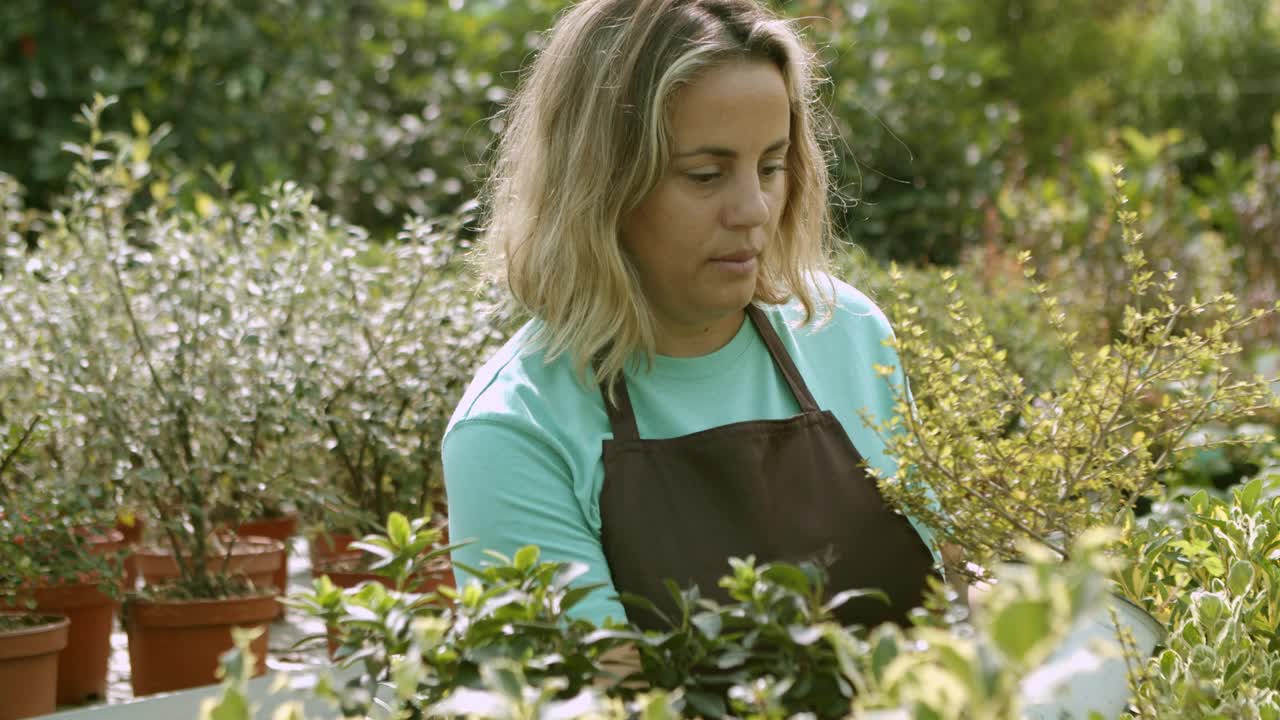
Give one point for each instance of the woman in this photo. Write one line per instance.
(689, 387)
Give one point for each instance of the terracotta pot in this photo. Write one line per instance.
(82, 667)
(175, 644)
(132, 533)
(255, 558)
(345, 577)
(132, 537)
(278, 528)
(29, 669)
(325, 548)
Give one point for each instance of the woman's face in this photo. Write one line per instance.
(696, 236)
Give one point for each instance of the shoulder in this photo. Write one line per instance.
(517, 388)
(503, 387)
(845, 315)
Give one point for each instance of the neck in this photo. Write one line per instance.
(685, 340)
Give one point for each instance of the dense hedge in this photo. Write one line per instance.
(387, 106)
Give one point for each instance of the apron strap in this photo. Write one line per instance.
(622, 418)
(782, 359)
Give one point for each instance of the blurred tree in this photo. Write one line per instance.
(388, 107)
(382, 104)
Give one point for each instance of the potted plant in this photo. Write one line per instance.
(174, 329)
(401, 336)
(990, 463)
(265, 511)
(404, 559)
(29, 648)
(58, 555)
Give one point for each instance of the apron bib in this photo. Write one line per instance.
(785, 490)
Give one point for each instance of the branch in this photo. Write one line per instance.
(13, 453)
(137, 333)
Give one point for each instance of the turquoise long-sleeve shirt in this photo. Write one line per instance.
(522, 452)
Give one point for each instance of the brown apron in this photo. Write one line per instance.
(782, 490)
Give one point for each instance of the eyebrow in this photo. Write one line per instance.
(727, 152)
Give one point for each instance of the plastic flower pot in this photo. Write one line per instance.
(1076, 680)
(29, 666)
(175, 644)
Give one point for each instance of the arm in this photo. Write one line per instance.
(507, 488)
(950, 555)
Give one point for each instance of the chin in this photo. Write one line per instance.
(737, 301)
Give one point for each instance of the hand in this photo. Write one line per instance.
(953, 562)
(620, 662)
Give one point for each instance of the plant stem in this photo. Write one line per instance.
(13, 452)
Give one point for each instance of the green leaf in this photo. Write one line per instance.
(885, 650)
(386, 554)
(706, 703)
(788, 576)
(845, 596)
(1248, 496)
(141, 125)
(805, 635)
(233, 705)
(1019, 627)
(526, 557)
(732, 657)
(1240, 577)
(709, 623)
(640, 601)
(398, 529)
(576, 595)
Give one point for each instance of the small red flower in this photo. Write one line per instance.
(27, 45)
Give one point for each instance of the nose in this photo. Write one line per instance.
(746, 205)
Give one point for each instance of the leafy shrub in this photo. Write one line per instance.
(1241, 196)
(382, 106)
(918, 134)
(1205, 67)
(1216, 460)
(1211, 574)
(241, 354)
(388, 107)
(766, 656)
(992, 287)
(1216, 236)
(1002, 463)
(399, 333)
(47, 523)
(169, 332)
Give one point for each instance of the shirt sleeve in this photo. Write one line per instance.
(899, 381)
(507, 488)
(872, 340)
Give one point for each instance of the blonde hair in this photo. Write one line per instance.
(587, 137)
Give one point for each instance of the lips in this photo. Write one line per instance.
(742, 256)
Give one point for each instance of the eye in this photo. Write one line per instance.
(703, 178)
(772, 170)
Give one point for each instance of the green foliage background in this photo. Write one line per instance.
(387, 106)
